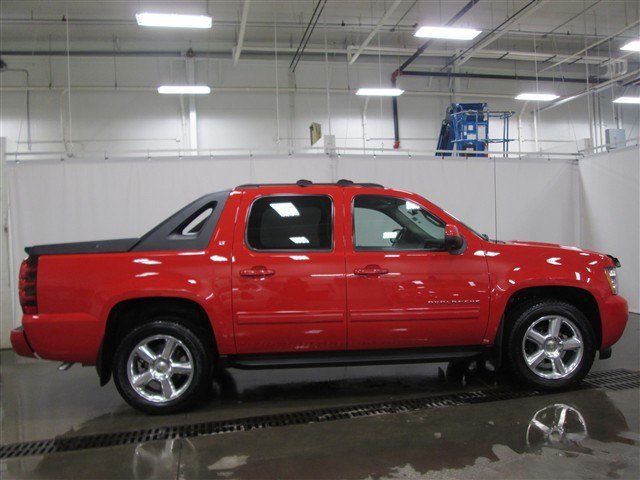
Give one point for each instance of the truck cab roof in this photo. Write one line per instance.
(308, 183)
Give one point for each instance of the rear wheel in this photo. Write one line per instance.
(162, 367)
(551, 345)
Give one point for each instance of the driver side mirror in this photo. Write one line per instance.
(452, 239)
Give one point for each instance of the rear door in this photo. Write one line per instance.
(404, 290)
(288, 275)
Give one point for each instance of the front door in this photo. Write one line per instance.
(404, 290)
(288, 275)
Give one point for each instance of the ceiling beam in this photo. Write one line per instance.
(258, 24)
(583, 12)
(243, 25)
(267, 49)
(373, 32)
(491, 76)
(593, 45)
(593, 89)
(497, 32)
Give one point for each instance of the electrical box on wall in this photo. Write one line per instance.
(330, 144)
(315, 132)
(615, 138)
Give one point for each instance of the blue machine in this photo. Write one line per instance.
(466, 127)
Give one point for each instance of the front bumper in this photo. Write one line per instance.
(614, 314)
(20, 344)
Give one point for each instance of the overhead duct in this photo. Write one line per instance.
(492, 76)
(400, 69)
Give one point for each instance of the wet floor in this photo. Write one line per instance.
(581, 433)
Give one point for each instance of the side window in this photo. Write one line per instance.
(197, 221)
(390, 223)
(290, 223)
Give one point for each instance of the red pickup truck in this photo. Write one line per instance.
(304, 274)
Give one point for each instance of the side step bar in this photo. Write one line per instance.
(341, 358)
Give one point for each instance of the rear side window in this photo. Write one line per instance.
(190, 228)
(293, 222)
(196, 221)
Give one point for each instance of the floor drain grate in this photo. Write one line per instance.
(614, 380)
(610, 380)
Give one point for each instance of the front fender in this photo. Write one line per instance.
(514, 268)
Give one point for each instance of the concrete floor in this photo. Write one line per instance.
(490, 440)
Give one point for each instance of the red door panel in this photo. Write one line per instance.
(411, 299)
(289, 301)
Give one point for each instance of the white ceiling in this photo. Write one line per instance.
(559, 27)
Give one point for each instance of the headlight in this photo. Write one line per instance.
(613, 279)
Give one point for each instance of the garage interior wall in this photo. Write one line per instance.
(610, 213)
(535, 199)
(113, 107)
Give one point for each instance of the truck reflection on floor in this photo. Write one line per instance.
(429, 440)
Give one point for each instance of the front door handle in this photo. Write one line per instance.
(371, 270)
(257, 271)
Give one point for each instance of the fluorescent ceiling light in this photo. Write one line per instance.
(540, 97)
(634, 46)
(448, 33)
(380, 92)
(299, 240)
(186, 89)
(285, 209)
(627, 100)
(173, 20)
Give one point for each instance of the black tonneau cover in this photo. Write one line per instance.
(99, 246)
(165, 236)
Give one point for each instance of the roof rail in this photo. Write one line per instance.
(308, 183)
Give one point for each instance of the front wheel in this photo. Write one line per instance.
(161, 367)
(551, 345)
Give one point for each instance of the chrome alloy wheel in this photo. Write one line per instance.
(556, 425)
(160, 368)
(552, 347)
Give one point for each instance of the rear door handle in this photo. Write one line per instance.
(371, 270)
(258, 271)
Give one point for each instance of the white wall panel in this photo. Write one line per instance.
(79, 200)
(610, 205)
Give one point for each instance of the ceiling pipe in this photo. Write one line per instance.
(594, 89)
(269, 49)
(310, 90)
(313, 21)
(589, 47)
(394, 76)
(496, 33)
(208, 153)
(243, 26)
(491, 76)
(584, 11)
(373, 32)
(217, 24)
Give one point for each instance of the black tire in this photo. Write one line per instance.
(200, 360)
(526, 317)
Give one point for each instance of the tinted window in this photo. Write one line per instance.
(389, 223)
(196, 221)
(290, 223)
